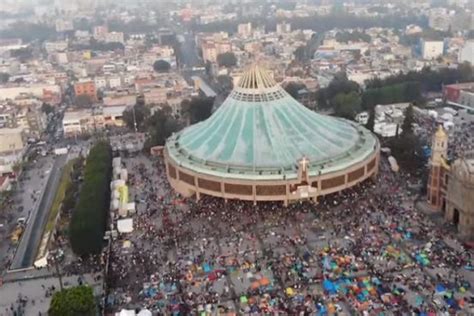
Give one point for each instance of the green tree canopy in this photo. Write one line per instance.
(161, 66)
(407, 150)
(88, 221)
(74, 301)
(355, 36)
(293, 87)
(340, 84)
(29, 31)
(47, 108)
(396, 93)
(301, 53)
(83, 101)
(371, 121)
(226, 82)
(140, 116)
(4, 77)
(227, 60)
(347, 105)
(161, 125)
(22, 54)
(408, 121)
(199, 109)
(428, 79)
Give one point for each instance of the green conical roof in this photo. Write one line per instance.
(260, 128)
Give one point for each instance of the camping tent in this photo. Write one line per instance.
(144, 312)
(125, 225)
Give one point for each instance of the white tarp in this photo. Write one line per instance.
(116, 162)
(448, 125)
(447, 117)
(116, 183)
(115, 194)
(124, 174)
(386, 129)
(144, 312)
(122, 211)
(117, 171)
(114, 205)
(126, 312)
(393, 164)
(42, 262)
(125, 225)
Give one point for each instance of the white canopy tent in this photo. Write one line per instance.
(125, 225)
(126, 312)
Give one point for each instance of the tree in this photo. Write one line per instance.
(161, 66)
(161, 125)
(87, 226)
(83, 101)
(427, 79)
(47, 108)
(293, 87)
(74, 301)
(407, 150)
(4, 77)
(141, 114)
(407, 147)
(355, 36)
(225, 82)
(371, 121)
(199, 109)
(409, 91)
(226, 60)
(407, 125)
(347, 105)
(208, 67)
(340, 84)
(301, 54)
(22, 54)
(29, 31)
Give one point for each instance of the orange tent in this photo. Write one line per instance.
(264, 281)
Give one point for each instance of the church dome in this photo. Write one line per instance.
(261, 131)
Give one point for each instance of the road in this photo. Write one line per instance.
(189, 53)
(29, 243)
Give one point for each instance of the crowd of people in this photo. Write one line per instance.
(365, 251)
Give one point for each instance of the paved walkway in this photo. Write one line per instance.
(33, 294)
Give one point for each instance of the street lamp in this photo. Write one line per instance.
(55, 259)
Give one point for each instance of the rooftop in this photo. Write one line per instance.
(261, 131)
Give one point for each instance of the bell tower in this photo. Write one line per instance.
(438, 168)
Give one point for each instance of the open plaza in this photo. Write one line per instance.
(363, 251)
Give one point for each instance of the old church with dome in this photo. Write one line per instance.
(451, 186)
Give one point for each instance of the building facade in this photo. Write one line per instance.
(431, 49)
(86, 88)
(451, 187)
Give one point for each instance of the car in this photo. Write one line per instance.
(21, 220)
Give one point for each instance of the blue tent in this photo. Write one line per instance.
(329, 287)
(440, 288)
(207, 268)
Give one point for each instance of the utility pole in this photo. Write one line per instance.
(58, 273)
(56, 263)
